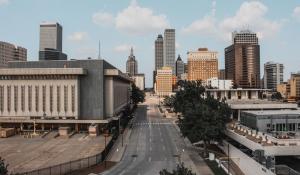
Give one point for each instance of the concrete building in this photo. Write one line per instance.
(139, 80)
(295, 86)
(131, 64)
(242, 60)
(221, 74)
(179, 67)
(51, 41)
(76, 92)
(202, 64)
(284, 89)
(273, 75)
(169, 49)
(271, 138)
(10, 52)
(164, 81)
(159, 52)
(186, 68)
(219, 84)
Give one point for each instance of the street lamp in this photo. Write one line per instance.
(106, 134)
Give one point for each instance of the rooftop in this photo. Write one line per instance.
(43, 71)
(274, 112)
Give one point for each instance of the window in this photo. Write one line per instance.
(23, 98)
(51, 98)
(36, 98)
(66, 98)
(30, 98)
(1, 98)
(8, 98)
(16, 98)
(73, 98)
(58, 98)
(44, 98)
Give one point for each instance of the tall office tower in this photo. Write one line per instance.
(273, 75)
(51, 42)
(164, 81)
(169, 49)
(221, 74)
(202, 64)
(179, 67)
(131, 64)
(10, 52)
(242, 60)
(159, 52)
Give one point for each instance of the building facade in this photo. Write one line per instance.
(159, 52)
(10, 52)
(202, 64)
(219, 84)
(139, 80)
(71, 92)
(179, 67)
(242, 60)
(131, 64)
(273, 75)
(169, 49)
(284, 89)
(221, 74)
(164, 81)
(51, 36)
(295, 86)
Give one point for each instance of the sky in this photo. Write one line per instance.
(121, 24)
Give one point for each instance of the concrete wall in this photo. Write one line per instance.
(91, 85)
(248, 165)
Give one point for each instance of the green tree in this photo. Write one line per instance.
(180, 170)
(169, 101)
(203, 118)
(3, 167)
(137, 96)
(277, 96)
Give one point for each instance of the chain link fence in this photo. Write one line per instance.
(69, 167)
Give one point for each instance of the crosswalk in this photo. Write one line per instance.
(153, 123)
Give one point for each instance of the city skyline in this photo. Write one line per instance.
(107, 21)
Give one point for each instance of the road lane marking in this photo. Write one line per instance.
(150, 148)
(149, 159)
(164, 148)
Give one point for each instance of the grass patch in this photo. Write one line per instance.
(213, 165)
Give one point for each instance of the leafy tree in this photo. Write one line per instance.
(137, 96)
(277, 96)
(204, 118)
(169, 101)
(3, 167)
(180, 170)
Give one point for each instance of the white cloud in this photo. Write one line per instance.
(250, 15)
(139, 20)
(78, 36)
(4, 2)
(296, 12)
(123, 48)
(103, 19)
(202, 26)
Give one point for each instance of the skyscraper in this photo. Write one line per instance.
(159, 52)
(179, 66)
(131, 64)
(51, 42)
(242, 60)
(202, 64)
(273, 75)
(169, 49)
(10, 52)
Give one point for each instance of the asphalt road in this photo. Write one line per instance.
(154, 144)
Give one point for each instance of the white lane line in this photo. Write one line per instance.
(150, 148)
(161, 139)
(164, 148)
(149, 159)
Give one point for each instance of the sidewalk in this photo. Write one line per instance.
(192, 159)
(117, 151)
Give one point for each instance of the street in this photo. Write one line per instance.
(154, 144)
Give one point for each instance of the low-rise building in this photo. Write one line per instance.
(284, 89)
(76, 92)
(139, 80)
(219, 84)
(11, 52)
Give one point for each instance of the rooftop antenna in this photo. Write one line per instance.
(99, 54)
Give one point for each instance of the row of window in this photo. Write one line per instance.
(36, 91)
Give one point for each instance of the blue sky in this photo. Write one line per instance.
(125, 23)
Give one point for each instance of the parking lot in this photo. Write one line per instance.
(27, 154)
